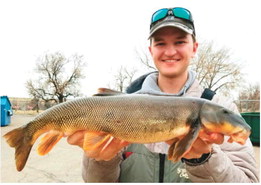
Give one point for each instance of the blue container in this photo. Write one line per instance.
(6, 111)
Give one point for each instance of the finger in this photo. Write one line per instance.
(216, 138)
(96, 152)
(91, 153)
(112, 149)
(76, 138)
(108, 150)
(198, 148)
(201, 146)
(192, 154)
(212, 137)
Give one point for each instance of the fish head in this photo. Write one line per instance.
(216, 118)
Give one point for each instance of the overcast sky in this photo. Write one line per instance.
(106, 33)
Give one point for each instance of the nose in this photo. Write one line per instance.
(170, 51)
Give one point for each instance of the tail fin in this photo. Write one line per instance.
(16, 138)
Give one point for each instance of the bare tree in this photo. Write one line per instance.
(249, 99)
(145, 59)
(55, 83)
(215, 69)
(123, 78)
(34, 103)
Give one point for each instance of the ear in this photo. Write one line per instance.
(150, 50)
(195, 48)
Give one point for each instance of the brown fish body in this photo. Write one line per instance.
(133, 118)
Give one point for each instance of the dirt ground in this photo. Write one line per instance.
(62, 164)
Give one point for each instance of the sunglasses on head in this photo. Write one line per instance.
(177, 12)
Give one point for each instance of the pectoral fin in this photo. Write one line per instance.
(96, 140)
(179, 148)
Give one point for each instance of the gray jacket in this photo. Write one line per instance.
(228, 162)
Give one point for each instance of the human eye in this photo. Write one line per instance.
(180, 42)
(159, 44)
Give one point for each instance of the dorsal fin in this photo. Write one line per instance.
(107, 92)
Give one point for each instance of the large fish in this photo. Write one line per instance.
(132, 118)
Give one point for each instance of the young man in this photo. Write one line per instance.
(173, 44)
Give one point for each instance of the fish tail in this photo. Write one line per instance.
(16, 139)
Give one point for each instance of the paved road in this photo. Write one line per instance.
(62, 164)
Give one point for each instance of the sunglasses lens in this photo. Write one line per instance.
(182, 13)
(160, 14)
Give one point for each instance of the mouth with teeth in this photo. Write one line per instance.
(171, 61)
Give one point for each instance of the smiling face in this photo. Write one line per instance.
(171, 50)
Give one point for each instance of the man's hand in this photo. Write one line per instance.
(105, 151)
(203, 144)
